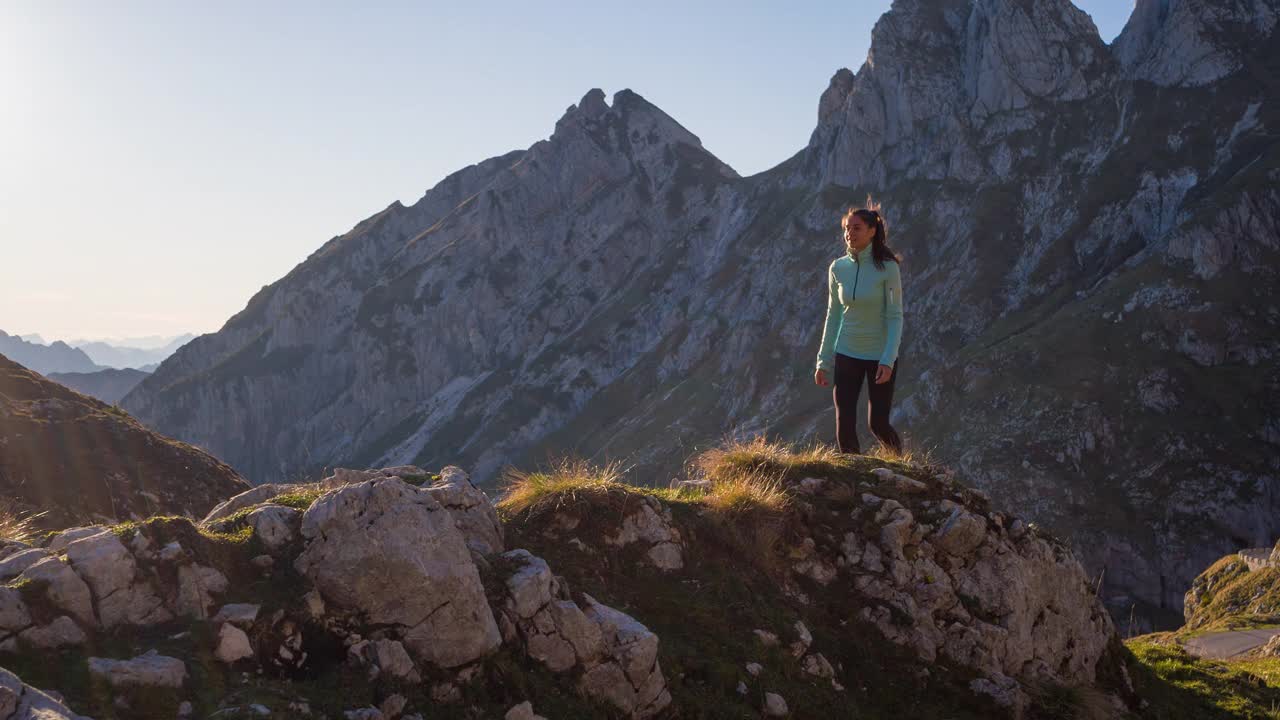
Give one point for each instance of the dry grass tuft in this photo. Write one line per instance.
(747, 491)
(567, 481)
(784, 460)
(16, 524)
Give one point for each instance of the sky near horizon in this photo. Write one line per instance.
(162, 161)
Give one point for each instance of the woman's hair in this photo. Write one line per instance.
(880, 250)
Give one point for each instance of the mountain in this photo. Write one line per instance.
(121, 355)
(108, 385)
(58, 357)
(1089, 256)
(34, 338)
(81, 460)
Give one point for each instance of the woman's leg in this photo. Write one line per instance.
(847, 382)
(879, 400)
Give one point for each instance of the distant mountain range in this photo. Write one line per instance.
(45, 359)
(108, 385)
(83, 356)
(116, 355)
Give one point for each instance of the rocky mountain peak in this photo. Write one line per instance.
(630, 128)
(947, 66)
(1192, 43)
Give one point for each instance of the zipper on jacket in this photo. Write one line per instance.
(856, 273)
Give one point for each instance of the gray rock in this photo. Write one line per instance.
(274, 525)
(523, 711)
(474, 514)
(775, 705)
(19, 701)
(13, 565)
(392, 552)
(150, 669)
(241, 614)
(63, 588)
(61, 632)
(110, 572)
(233, 644)
(256, 496)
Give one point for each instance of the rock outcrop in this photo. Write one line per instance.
(389, 572)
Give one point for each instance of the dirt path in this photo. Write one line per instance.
(1222, 645)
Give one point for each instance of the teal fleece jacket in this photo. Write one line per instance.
(864, 310)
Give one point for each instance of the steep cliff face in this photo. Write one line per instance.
(1189, 43)
(1089, 267)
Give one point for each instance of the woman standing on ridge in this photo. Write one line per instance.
(863, 328)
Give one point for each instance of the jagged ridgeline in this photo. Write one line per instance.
(1089, 233)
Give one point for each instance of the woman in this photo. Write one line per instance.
(863, 329)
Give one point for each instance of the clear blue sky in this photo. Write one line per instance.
(160, 161)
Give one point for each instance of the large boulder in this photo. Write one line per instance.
(393, 553)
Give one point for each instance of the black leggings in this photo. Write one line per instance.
(849, 374)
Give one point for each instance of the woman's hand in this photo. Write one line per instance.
(883, 373)
(820, 377)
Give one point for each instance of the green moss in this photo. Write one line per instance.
(297, 501)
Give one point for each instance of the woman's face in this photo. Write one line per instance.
(857, 234)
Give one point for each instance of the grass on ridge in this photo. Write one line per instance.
(17, 525)
(566, 481)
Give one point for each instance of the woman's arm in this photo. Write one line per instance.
(831, 328)
(892, 313)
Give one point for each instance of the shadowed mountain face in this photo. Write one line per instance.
(83, 461)
(1089, 246)
(109, 385)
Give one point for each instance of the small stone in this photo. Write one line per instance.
(150, 669)
(818, 666)
(314, 604)
(263, 562)
(258, 709)
(811, 485)
(766, 638)
(185, 709)
(393, 706)
(171, 552)
(523, 711)
(742, 688)
(233, 644)
(241, 614)
(754, 668)
(775, 706)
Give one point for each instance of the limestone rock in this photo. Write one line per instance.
(523, 711)
(150, 669)
(61, 632)
(274, 525)
(233, 644)
(474, 514)
(20, 701)
(63, 588)
(392, 552)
